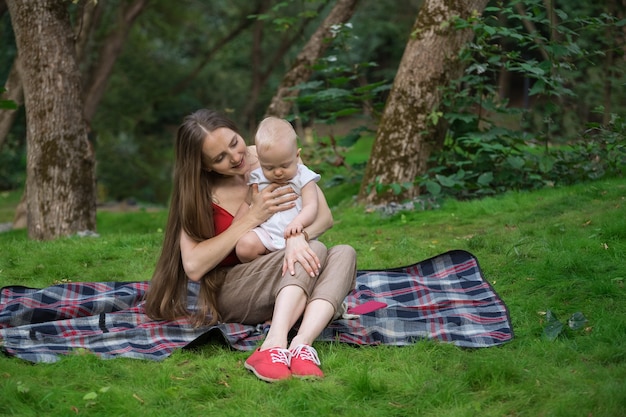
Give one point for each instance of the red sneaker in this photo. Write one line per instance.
(305, 363)
(270, 365)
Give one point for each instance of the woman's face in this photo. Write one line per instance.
(225, 152)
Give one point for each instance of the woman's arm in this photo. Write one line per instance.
(324, 219)
(200, 257)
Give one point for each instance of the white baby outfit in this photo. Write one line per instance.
(272, 232)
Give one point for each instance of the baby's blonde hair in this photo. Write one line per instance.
(273, 131)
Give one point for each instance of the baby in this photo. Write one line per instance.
(278, 152)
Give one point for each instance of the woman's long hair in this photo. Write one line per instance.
(190, 210)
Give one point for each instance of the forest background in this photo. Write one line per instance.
(540, 100)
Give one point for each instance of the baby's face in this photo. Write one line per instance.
(279, 164)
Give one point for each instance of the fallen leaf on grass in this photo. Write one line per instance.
(90, 396)
(577, 321)
(22, 388)
(138, 398)
(553, 326)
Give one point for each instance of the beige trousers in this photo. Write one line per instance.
(249, 290)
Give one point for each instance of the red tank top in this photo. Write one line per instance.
(222, 221)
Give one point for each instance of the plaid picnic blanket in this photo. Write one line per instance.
(443, 298)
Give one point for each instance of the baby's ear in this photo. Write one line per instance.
(298, 153)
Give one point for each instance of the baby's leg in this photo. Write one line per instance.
(249, 247)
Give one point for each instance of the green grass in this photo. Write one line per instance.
(8, 201)
(561, 249)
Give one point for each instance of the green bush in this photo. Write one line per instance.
(491, 146)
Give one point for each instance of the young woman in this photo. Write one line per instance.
(304, 281)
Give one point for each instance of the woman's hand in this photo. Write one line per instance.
(273, 199)
(297, 249)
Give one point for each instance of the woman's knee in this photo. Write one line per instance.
(345, 252)
(342, 260)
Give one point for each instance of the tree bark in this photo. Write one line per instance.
(60, 183)
(406, 134)
(301, 70)
(15, 92)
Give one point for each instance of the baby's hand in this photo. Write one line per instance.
(293, 229)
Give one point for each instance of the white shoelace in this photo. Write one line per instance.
(280, 356)
(307, 353)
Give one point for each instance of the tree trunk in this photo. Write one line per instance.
(207, 55)
(112, 47)
(256, 60)
(88, 15)
(14, 93)
(60, 183)
(312, 51)
(407, 134)
(532, 29)
(263, 68)
(614, 36)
